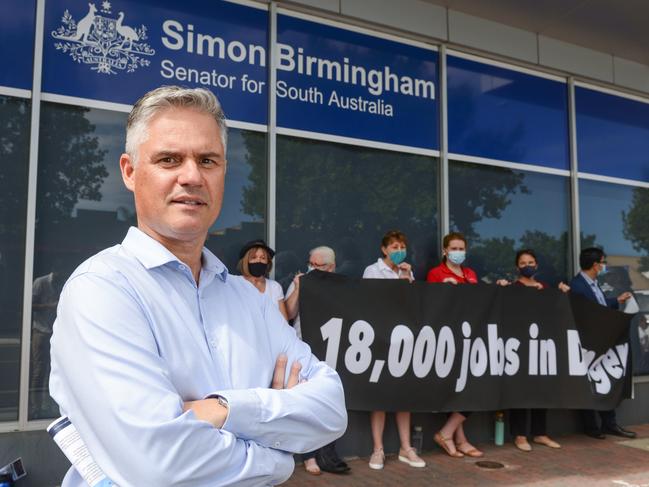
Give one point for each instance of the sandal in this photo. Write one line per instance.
(442, 442)
(522, 444)
(546, 441)
(471, 451)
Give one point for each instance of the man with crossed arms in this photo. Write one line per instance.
(172, 370)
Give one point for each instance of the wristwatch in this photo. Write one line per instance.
(223, 402)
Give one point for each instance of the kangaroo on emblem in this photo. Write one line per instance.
(84, 25)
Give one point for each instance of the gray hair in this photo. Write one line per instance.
(166, 97)
(327, 254)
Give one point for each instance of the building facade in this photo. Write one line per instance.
(347, 118)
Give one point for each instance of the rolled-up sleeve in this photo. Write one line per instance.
(109, 379)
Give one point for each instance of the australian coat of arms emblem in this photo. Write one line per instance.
(102, 41)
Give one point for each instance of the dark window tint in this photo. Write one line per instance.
(243, 214)
(14, 150)
(501, 210)
(614, 217)
(82, 207)
(347, 198)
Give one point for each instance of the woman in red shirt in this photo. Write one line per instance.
(527, 267)
(451, 437)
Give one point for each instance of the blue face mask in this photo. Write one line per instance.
(602, 271)
(457, 256)
(398, 256)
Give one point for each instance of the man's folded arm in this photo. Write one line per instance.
(297, 420)
(109, 379)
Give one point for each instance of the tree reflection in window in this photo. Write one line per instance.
(347, 197)
(617, 215)
(14, 151)
(82, 207)
(501, 210)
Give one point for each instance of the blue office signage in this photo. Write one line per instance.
(116, 50)
(17, 29)
(337, 81)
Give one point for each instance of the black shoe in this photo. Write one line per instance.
(597, 434)
(617, 430)
(328, 461)
(335, 467)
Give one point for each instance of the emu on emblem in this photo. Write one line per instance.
(102, 41)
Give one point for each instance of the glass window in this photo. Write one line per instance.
(501, 211)
(614, 217)
(612, 135)
(83, 207)
(14, 150)
(507, 115)
(348, 197)
(243, 215)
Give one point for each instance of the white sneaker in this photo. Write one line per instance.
(377, 460)
(411, 458)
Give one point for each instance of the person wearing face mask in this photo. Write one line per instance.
(322, 259)
(592, 262)
(451, 437)
(527, 267)
(451, 270)
(255, 263)
(392, 265)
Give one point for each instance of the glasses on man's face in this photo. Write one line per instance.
(317, 266)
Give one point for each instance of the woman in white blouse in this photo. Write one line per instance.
(392, 265)
(255, 263)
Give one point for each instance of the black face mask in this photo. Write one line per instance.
(257, 269)
(528, 270)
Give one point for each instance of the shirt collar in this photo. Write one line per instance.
(213, 264)
(383, 265)
(588, 279)
(152, 253)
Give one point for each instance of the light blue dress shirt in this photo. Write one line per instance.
(135, 337)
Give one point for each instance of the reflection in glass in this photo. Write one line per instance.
(347, 198)
(501, 210)
(82, 207)
(14, 152)
(243, 214)
(614, 217)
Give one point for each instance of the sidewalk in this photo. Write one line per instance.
(581, 461)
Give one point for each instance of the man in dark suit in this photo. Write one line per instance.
(593, 263)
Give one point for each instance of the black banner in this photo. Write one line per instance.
(437, 347)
